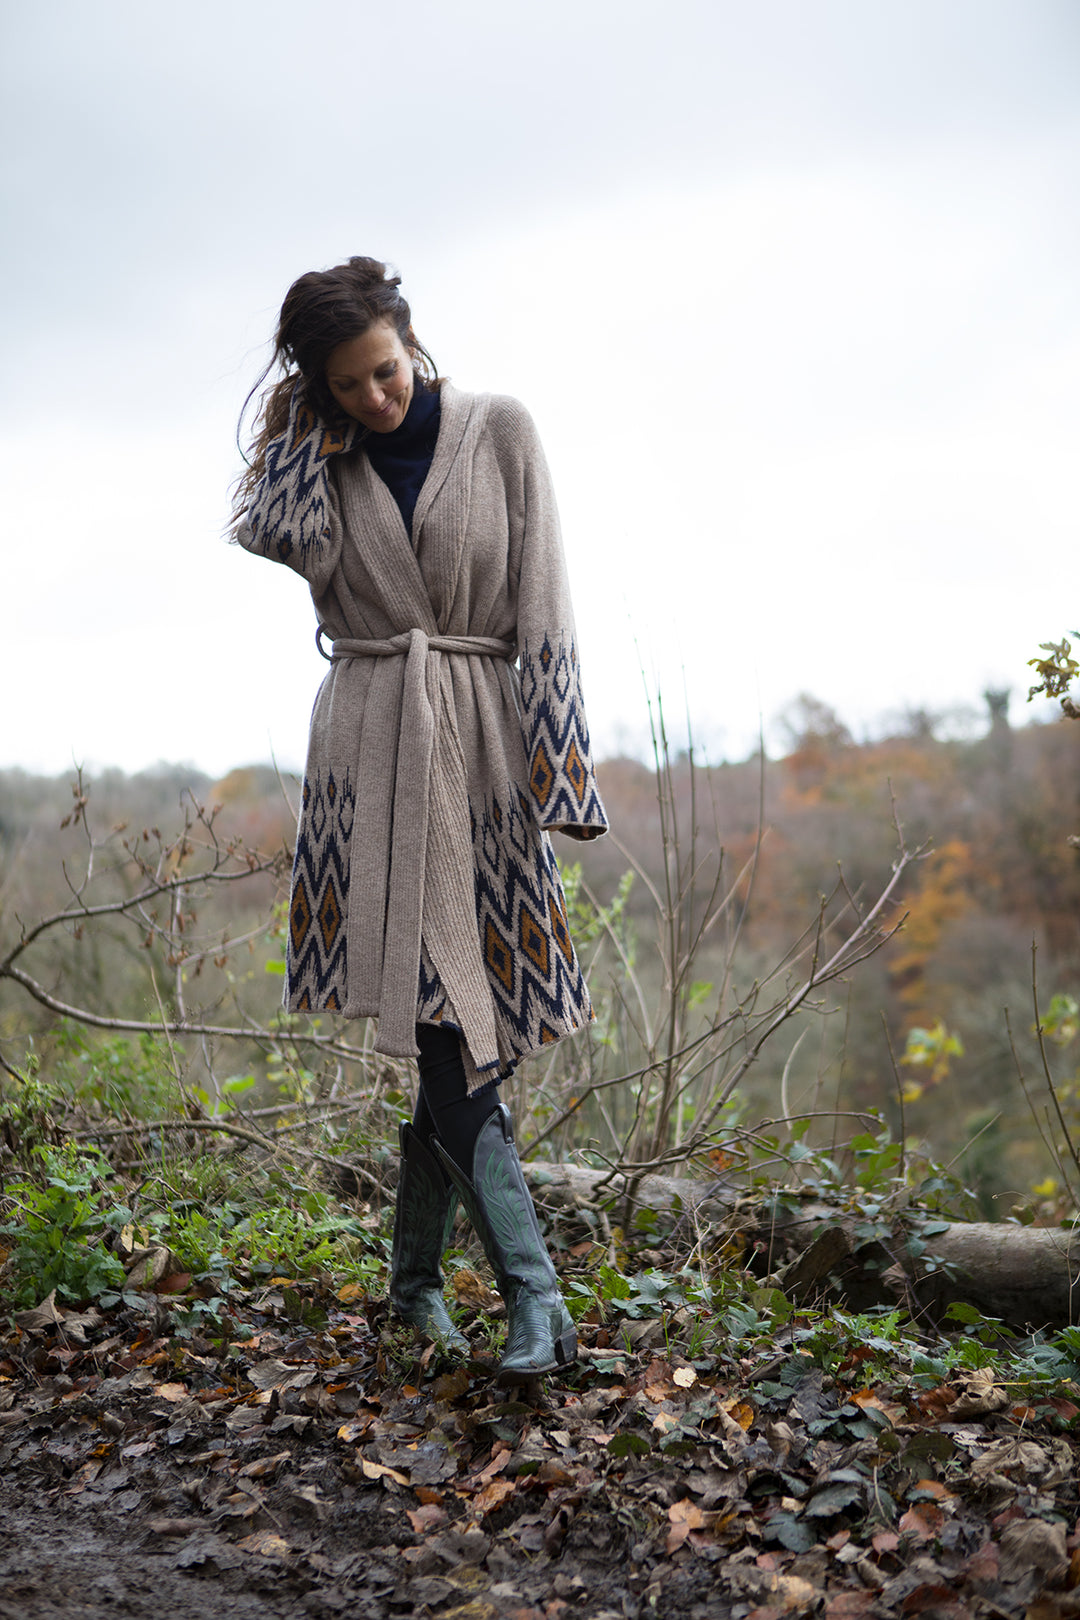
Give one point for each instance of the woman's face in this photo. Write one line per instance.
(371, 377)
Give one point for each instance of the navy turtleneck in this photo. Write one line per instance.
(402, 458)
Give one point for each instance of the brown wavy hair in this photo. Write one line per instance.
(322, 309)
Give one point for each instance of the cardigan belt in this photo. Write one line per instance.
(430, 884)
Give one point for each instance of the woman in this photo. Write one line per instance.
(425, 893)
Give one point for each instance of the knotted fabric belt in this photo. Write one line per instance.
(417, 881)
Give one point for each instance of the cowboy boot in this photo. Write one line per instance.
(423, 1220)
(540, 1334)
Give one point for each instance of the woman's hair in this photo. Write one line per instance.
(321, 310)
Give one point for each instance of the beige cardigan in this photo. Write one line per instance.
(424, 885)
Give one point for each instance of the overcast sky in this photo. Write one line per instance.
(790, 288)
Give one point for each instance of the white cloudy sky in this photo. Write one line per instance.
(789, 286)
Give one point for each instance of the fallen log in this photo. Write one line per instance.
(1027, 1276)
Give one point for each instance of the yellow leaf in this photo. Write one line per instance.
(374, 1470)
(743, 1414)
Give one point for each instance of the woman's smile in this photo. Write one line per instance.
(372, 378)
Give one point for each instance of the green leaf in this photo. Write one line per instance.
(628, 1445)
(789, 1532)
(960, 1311)
(834, 1499)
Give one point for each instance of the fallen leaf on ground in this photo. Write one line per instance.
(427, 1517)
(924, 1521)
(472, 1292)
(979, 1392)
(265, 1543)
(39, 1317)
(451, 1386)
(685, 1516)
(262, 1466)
(493, 1496)
(375, 1470)
(1033, 1544)
(266, 1375)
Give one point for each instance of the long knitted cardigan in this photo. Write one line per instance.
(424, 884)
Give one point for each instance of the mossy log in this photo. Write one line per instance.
(1028, 1276)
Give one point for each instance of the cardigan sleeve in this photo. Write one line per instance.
(291, 518)
(562, 781)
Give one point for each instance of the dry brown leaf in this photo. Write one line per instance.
(493, 1496)
(375, 1470)
(498, 1461)
(269, 1374)
(147, 1267)
(265, 1543)
(451, 1386)
(685, 1516)
(41, 1317)
(1021, 1461)
(174, 1282)
(849, 1605)
(740, 1411)
(175, 1527)
(1033, 1544)
(885, 1541)
(356, 1427)
(350, 1292)
(979, 1393)
(262, 1466)
(923, 1520)
(868, 1399)
(473, 1293)
(785, 1594)
(931, 1489)
(171, 1392)
(427, 1517)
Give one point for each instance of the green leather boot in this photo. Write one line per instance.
(423, 1221)
(540, 1334)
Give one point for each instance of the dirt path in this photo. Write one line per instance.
(312, 1463)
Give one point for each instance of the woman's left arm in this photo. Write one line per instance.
(562, 781)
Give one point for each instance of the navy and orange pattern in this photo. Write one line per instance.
(316, 958)
(536, 982)
(556, 736)
(535, 977)
(289, 519)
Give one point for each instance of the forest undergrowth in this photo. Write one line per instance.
(199, 1377)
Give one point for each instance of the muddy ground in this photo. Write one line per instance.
(313, 1462)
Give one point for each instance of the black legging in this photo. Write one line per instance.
(443, 1105)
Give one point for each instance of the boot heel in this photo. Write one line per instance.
(566, 1349)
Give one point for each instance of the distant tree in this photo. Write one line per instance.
(810, 723)
(997, 702)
